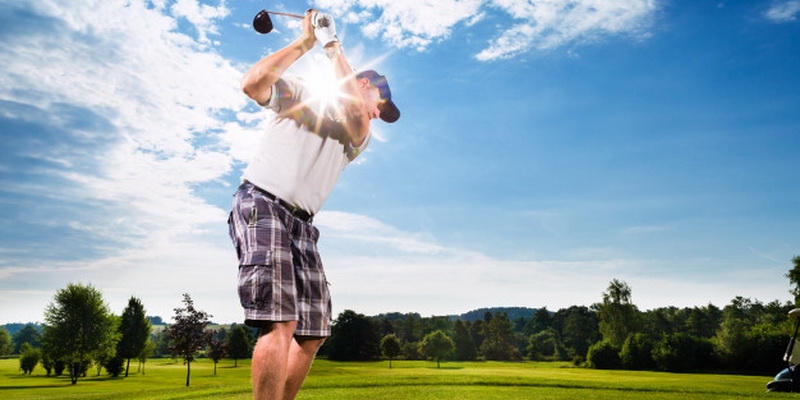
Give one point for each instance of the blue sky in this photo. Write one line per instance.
(545, 148)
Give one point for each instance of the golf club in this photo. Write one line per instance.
(262, 23)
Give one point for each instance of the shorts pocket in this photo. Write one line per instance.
(256, 286)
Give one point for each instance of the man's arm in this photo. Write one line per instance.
(257, 82)
(353, 102)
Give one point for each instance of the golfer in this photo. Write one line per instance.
(302, 152)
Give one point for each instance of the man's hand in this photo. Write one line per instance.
(324, 28)
(307, 37)
(257, 82)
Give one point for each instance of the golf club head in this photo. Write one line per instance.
(262, 23)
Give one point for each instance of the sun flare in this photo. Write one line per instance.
(325, 88)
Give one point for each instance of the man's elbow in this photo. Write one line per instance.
(255, 92)
(247, 87)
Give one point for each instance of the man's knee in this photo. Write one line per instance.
(283, 329)
(310, 343)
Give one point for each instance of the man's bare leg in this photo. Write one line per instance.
(270, 363)
(301, 355)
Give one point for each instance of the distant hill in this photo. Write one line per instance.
(512, 312)
(16, 327)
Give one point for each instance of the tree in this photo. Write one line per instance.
(498, 338)
(161, 340)
(102, 357)
(730, 342)
(353, 338)
(188, 335)
(637, 352)
(544, 345)
(579, 330)
(28, 334)
(390, 347)
(542, 319)
(436, 345)
(703, 321)
(794, 280)
(78, 323)
(681, 352)
(5, 342)
(114, 365)
(465, 344)
(148, 350)
(238, 344)
(603, 355)
(135, 330)
(28, 358)
(47, 362)
(617, 313)
(216, 351)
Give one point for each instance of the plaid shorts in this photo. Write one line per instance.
(280, 272)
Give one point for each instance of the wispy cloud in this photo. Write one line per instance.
(549, 24)
(410, 271)
(539, 25)
(129, 119)
(202, 16)
(160, 92)
(783, 11)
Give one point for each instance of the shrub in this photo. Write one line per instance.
(766, 344)
(545, 346)
(603, 355)
(114, 365)
(28, 358)
(679, 352)
(410, 351)
(636, 352)
(58, 367)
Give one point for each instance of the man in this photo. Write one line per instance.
(282, 285)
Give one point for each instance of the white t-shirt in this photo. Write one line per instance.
(301, 154)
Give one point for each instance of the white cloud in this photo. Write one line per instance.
(161, 96)
(783, 11)
(553, 23)
(411, 272)
(410, 23)
(537, 25)
(202, 16)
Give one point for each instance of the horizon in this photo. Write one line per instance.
(544, 149)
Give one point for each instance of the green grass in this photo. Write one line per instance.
(328, 380)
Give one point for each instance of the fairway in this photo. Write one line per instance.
(328, 380)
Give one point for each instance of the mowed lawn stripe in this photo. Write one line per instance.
(407, 380)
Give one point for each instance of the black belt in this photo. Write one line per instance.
(299, 213)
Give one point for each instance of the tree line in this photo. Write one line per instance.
(745, 336)
(80, 332)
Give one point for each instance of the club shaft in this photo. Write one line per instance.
(286, 14)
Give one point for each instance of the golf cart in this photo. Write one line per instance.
(788, 380)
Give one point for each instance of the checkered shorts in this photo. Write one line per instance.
(280, 272)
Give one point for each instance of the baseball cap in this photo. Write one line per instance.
(389, 111)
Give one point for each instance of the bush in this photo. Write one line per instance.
(58, 367)
(545, 346)
(115, 365)
(637, 352)
(603, 355)
(28, 359)
(410, 351)
(680, 352)
(764, 351)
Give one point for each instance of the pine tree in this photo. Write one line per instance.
(135, 329)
